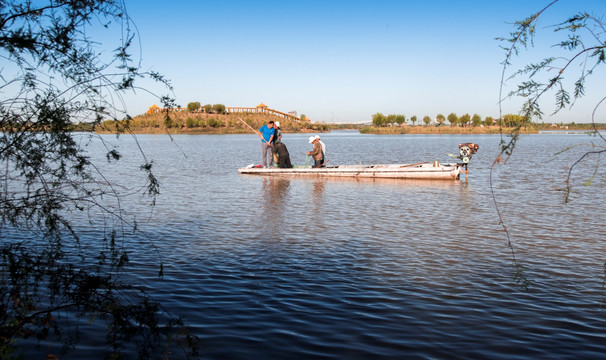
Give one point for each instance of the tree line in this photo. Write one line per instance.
(509, 120)
(195, 106)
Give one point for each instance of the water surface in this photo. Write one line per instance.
(390, 269)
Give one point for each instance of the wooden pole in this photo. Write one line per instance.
(255, 131)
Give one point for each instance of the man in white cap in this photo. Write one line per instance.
(323, 149)
(277, 139)
(277, 132)
(316, 153)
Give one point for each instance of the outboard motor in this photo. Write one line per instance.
(466, 150)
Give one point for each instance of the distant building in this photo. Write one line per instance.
(259, 109)
(154, 109)
(263, 109)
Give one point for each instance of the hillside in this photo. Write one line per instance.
(201, 123)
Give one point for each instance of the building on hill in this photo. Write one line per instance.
(259, 109)
(262, 109)
(154, 109)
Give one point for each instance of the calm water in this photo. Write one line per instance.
(341, 269)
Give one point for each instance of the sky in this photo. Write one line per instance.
(343, 61)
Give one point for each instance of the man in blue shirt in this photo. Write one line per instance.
(266, 132)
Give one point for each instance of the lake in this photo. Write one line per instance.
(296, 268)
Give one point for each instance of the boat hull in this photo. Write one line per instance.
(428, 171)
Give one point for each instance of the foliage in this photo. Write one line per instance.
(578, 50)
(440, 119)
(391, 119)
(464, 119)
(54, 76)
(191, 122)
(391, 130)
(169, 122)
(379, 119)
(214, 123)
(583, 49)
(476, 120)
(513, 120)
(204, 123)
(219, 109)
(400, 119)
(510, 120)
(452, 119)
(193, 106)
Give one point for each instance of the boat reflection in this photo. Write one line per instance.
(321, 181)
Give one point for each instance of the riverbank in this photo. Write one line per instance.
(193, 123)
(197, 123)
(444, 129)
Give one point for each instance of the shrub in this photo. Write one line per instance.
(193, 106)
(190, 122)
(212, 122)
(219, 108)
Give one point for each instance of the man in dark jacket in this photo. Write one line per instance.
(283, 155)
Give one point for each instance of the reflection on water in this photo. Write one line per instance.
(318, 192)
(375, 268)
(274, 193)
(402, 183)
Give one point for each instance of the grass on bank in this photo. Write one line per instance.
(194, 123)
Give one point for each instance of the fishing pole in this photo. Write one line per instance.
(255, 131)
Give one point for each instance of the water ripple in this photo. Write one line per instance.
(341, 269)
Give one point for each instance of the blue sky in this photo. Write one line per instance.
(342, 61)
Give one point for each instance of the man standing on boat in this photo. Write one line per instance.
(316, 153)
(266, 132)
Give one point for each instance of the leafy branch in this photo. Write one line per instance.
(583, 34)
(59, 77)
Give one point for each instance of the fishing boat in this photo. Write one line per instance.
(423, 170)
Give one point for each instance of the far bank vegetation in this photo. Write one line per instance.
(213, 119)
(464, 124)
(207, 119)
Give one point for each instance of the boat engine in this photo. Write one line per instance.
(466, 150)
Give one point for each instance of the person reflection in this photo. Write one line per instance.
(318, 191)
(275, 191)
(317, 215)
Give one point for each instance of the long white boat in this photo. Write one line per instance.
(428, 171)
(425, 170)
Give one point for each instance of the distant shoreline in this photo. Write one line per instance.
(219, 124)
